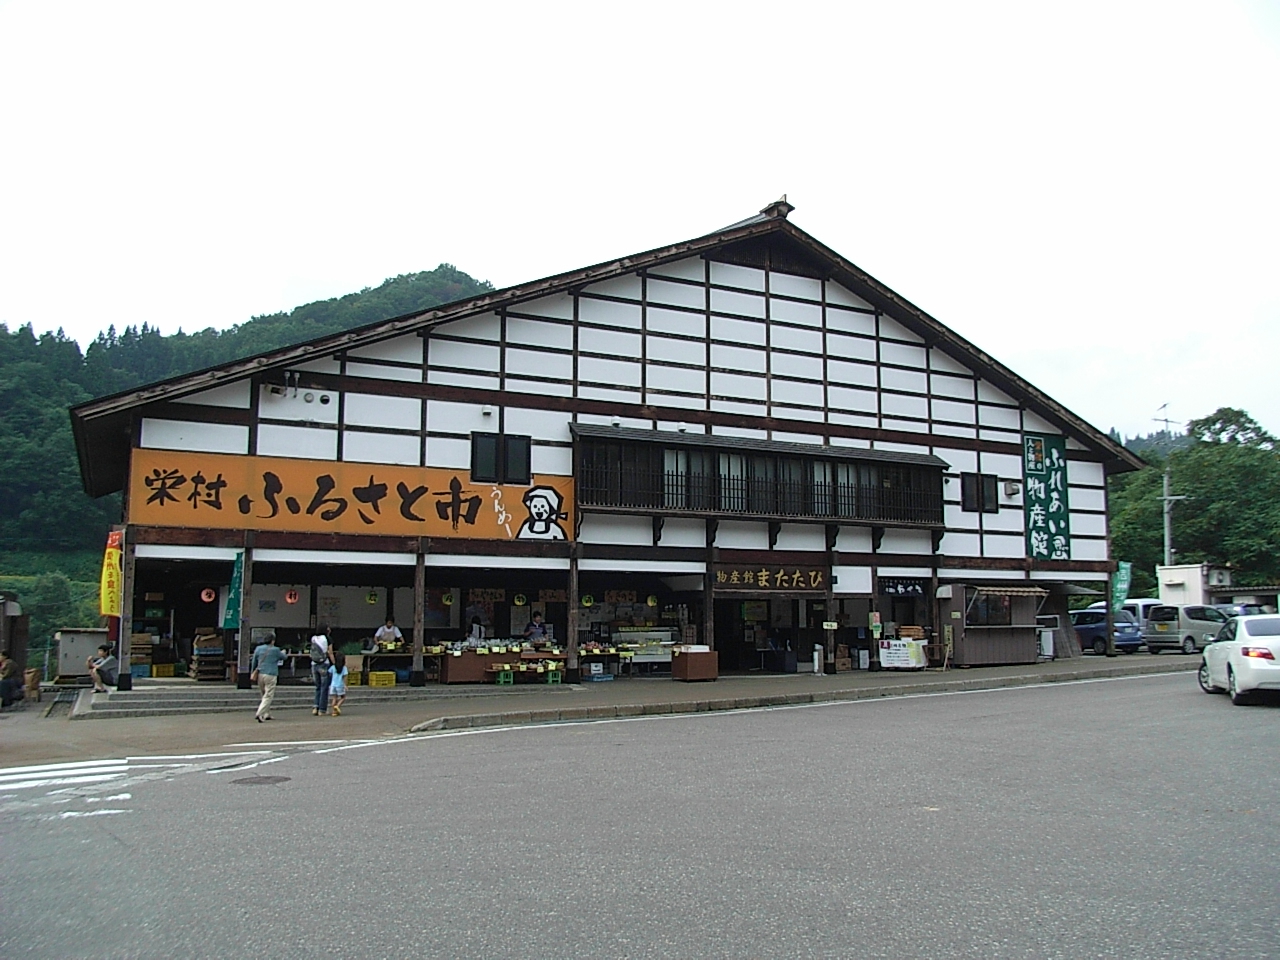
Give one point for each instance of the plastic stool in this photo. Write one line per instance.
(504, 678)
(554, 676)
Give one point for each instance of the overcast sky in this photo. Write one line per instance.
(1090, 192)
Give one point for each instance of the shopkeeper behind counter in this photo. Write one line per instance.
(536, 631)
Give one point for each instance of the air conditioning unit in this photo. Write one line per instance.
(1219, 577)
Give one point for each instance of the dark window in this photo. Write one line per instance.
(978, 493)
(1163, 614)
(498, 458)
(989, 610)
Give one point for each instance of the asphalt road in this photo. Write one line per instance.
(1131, 818)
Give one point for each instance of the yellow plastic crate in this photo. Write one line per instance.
(354, 680)
(162, 670)
(382, 678)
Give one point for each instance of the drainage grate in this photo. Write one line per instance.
(261, 781)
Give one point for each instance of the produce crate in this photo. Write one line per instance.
(162, 669)
(381, 678)
(355, 679)
(140, 669)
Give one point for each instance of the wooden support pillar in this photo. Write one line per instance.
(418, 676)
(244, 644)
(573, 670)
(708, 587)
(124, 647)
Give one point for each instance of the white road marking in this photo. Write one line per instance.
(69, 814)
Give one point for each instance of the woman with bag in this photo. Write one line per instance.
(321, 657)
(265, 664)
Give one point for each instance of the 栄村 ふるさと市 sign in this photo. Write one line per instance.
(1044, 473)
(182, 489)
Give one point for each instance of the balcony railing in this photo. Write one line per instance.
(746, 496)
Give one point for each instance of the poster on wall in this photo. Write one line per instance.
(898, 654)
(1045, 503)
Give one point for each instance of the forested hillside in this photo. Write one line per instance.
(47, 523)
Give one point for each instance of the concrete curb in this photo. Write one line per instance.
(587, 714)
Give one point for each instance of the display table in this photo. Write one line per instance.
(695, 666)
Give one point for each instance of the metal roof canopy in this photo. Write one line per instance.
(714, 442)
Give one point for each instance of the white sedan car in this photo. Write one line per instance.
(1243, 657)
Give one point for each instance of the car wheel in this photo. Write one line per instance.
(1188, 645)
(1100, 647)
(1202, 677)
(1237, 697)
(1152, 650)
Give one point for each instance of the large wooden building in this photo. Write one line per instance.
(742, 437)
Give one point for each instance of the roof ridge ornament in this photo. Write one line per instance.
(778, 209)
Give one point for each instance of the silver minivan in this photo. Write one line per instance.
(1182, 628)
(1140, 607)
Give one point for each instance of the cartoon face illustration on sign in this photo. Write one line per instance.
(543, 504)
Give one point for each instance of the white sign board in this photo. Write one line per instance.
(902, 654)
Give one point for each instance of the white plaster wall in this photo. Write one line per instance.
(895, 404)
(616, 343)
(843, 373)
(381, 448)
(809, 314)
(961, 461)
(1033, 424)
(795, 365)
(903, 354)
(948, 386)
(485, 326)
(676, 351)
(539, 334)
(628, 287)
(851, 581)
(854, 540)
(846, 398)
(735, 331)
(307, 443)
(618, 372)
(993, 395)
(847, 321)
(539, 424)
(742, 535)
(677, 294)
(464, 356)
(1008, 520)
(733, 385)
(296, 407)
(559, 305)
(851, 348)
(732, 275)
(1088, 549)
(1004, 465)
(989, 416)
(783, 436)
(319, 365)
(684, 532)
(406, 349)
(892, 328)
(1093, 524)
(685, 379)
(796, 338)
(907, 541)
(958, 519)
(228, 395)
(530, 363)
(608, 312)
(1087, 498)
(448, 453)
(731, 301)
(953, 410)
(788, 285)
(551, 460)
(802, 536)
(1085, 473)
(737, 358)
(899, 447)
(454, 378)
(366, 410)
(378, 372)
(658, 320)
(189, 435)
(795, 391)
(943, 363)
(961, 545)
(1000, 545)
(445, 416)
(838, 294)
(624, 531)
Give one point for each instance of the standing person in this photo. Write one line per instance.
(265, 671)
(10, 689)
(104, 669)
(536, 631)
(389, 634)
(321, 657)
(338, 683)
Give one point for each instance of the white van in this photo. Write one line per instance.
(1140, 607)
(1182, 628)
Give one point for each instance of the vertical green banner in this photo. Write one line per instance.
(1048, 517)
(1120, 584)
(231, 616)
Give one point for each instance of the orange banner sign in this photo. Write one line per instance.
(180, 489)
(111, 585)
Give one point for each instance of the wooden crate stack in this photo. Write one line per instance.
(208, 659)
(140, 654)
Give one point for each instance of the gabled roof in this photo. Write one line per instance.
(102, 427)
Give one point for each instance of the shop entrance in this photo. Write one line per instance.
(769, 634)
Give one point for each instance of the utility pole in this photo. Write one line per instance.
(1167, 500)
